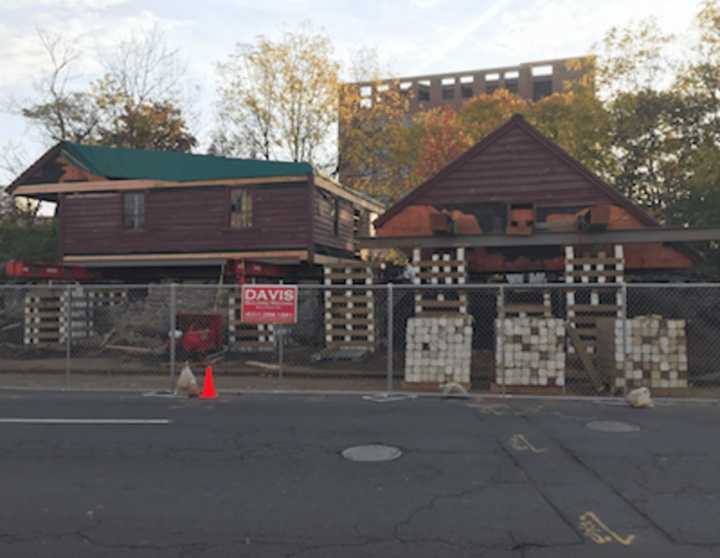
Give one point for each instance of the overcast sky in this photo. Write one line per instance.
(412, 36)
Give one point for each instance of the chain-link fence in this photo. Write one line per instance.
(550, 339)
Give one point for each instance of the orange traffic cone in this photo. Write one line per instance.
(209, 391)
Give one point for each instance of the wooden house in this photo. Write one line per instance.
(514, 186)
(124, 208)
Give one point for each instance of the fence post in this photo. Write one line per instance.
(390, 328)
(171, 334)
(280, 335)
(68, 332)
(501, 348)
(624, 330)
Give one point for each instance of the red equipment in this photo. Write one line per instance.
(202, 333)
(242, 270)
(24, 270)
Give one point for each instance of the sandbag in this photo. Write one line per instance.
(187, 382)
(639, 398)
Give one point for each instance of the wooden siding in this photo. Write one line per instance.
(514, 169)
(186, 220)
(323, 225)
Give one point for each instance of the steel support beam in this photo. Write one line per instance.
(542, 239)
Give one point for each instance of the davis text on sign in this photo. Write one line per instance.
(269, 304)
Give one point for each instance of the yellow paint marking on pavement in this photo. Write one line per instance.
(520, 443)
(599, 533)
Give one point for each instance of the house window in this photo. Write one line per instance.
(241, 208)
(134, 210)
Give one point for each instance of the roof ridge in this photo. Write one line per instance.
(182, 153)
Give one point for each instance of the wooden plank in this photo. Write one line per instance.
(436, 263)
(354, 264)
(595, 261)
(594, 273)
(282, 254)
(440, 274)
(342, 311)
(129, 185)
(439, 314)
(350, 332)
(441, 303)
(594, 308)
(336, 299)
(349, 321)
(585, 359)
(345, 276)
(527, 308)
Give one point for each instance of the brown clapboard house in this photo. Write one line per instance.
(130, 208)
(516, 182)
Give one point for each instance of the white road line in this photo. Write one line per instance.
(81, 421)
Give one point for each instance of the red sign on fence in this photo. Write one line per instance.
(269, 304)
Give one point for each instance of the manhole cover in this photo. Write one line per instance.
(371, 453)
(612, 426)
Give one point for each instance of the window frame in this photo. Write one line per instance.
(135, 220)
(247, 212)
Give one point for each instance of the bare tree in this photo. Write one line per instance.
(145, 68)
(60, 112)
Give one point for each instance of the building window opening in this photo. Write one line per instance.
(241, 208)
(423, 90)
(134, 210)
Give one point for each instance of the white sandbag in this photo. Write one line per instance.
(453, 388)
(186, 382)
(639, 398)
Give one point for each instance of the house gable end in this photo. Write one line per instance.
(515, 164)
(54, 167)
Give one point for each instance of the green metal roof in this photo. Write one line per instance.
(112, 162)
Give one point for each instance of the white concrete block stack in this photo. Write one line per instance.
(530, 351)
(654, 351)
(439, 350)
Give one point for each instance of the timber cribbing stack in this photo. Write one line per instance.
(445, 267)
(53, 312)
(586, 306)
(247, 337)
(350, 314)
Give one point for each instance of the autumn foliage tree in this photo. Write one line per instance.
(278, 98)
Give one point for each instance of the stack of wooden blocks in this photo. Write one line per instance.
(586, 306)
(439, 350)
(350, 312)
(46, 316)
(530, 351)
(247, 337)
(53, 312)
(652, 353)
(440, 268)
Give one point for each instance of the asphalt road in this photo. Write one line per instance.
(261, 476)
